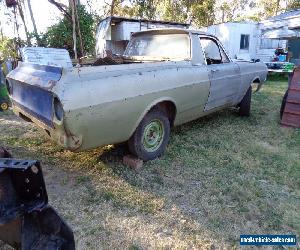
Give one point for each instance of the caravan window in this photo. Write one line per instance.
(266, 43)
(244, 43)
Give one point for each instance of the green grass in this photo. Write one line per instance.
(222, 175)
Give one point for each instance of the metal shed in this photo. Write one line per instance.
(113, 33)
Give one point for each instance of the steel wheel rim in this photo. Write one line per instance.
(4, 106)
(153, 135)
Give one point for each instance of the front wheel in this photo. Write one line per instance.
(245, 104)
(151, 137)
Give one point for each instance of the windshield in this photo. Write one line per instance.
(166, 46)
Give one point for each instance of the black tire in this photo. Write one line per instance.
(245, 104)
(283, 103)
(136, 142)
(4, 106)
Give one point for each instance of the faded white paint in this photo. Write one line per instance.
(46, 56)
(105, 104)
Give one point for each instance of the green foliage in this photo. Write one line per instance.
(203, 13)
(8, 48)
(268, 8)
(199, 12)
(60, 35)
(136, 8)
(293, 5)
(169, 11)
(146, 8)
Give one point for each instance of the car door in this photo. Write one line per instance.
(224, 75)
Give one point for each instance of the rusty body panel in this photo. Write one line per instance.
(291, 112)
(104, 104)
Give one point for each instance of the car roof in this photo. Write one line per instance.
(172, 31)
(118, 19)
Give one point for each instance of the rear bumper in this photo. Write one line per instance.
(56, 132)
(31, 88)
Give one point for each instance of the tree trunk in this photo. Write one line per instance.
(223, 15)
(20, 8)
(33, 23)
(277, 7)
(62, 8)
(1, 31)
(78, 29)
(112, 7)
(72, 5)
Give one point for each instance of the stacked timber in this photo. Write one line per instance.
(291, 102)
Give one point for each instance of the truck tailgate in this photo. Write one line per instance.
(30, 88)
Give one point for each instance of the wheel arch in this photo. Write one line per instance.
(256, 79)
(259, 82)
(167, 104)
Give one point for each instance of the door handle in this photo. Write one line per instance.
(214, 70)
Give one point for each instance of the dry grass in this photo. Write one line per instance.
(221, 176)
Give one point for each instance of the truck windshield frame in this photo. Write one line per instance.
(160, 47)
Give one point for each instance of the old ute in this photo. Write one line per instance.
(167, 77)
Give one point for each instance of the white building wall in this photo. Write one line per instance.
(230, 36)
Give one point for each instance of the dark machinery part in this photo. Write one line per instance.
(11, 3)
(27, 222)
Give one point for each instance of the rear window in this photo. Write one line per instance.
(169, 46)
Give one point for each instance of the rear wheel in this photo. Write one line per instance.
(245, 104)
(4, 106)
(151, 136)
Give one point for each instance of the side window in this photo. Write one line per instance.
(244, 43)
(213, 53)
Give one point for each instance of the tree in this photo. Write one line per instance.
(60, 35)
(63, 8)
(146, 8)
(226, 12)
(169, 10)
(267, 7)
(8, 49)
(33, 23)
(197, 12)
(277, 6)
(203, 12)
(20, 5)
(117, 7)
(293, 4)
(112, 7)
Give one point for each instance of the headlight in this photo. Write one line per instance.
(58, 109)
